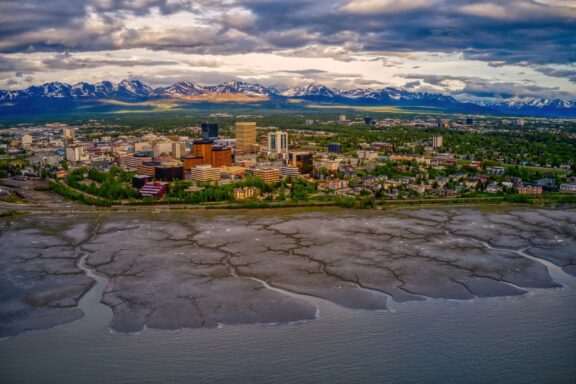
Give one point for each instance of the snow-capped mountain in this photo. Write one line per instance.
(242, 87)
(58, 96)
(532, 106)
(311, 91)
(126, 89)
(182, 88)
(133, 89)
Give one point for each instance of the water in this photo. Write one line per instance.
(529, 339)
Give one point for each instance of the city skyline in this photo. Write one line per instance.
(467, 49)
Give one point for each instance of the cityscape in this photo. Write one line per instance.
(268, 191)
(389, 161)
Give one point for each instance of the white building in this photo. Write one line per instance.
(278, 142)
(178, 150)
(288, 171)
(75, 153)
(566, 187)
(163, 148)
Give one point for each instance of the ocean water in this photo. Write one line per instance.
(528, 339)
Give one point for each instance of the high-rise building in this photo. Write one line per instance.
(301, 160)
(178, 149)
(368, 120)
(203, 148)
(68, 135)
(75, 153)
(221, 157)
(278, 142)
(342, 118)
(209, 130)
(245, 136)
(437, 141)
(192, 161)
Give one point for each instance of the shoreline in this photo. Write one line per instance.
(9, 210)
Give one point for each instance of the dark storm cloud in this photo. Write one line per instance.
(500, 32)
(570, 74)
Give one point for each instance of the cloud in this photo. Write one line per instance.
(68, 61)
(468, 87)
(536, 34)
(386, 6)
(172, 76)
(302, 77)
(524, 32)
(568, 73)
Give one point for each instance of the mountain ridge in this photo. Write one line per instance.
(62, 95)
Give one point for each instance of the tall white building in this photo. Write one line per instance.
(178, 149)
(278, 142)
(75, 153)
(437, 141)
(68, 134)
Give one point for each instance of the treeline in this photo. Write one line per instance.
(71, 194)
(356, 203)
(111, 183)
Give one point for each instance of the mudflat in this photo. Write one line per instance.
(190, 269)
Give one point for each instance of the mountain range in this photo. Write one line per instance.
(59, 97)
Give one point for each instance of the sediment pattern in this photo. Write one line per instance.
(171, 271)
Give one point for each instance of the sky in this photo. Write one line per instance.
(466, 48)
